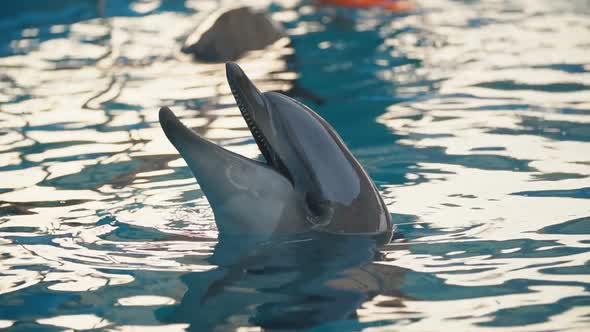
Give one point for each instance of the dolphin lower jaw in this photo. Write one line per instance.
(262, 215)
(247, 196)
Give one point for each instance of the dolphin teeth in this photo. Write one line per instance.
(265, 148)
(261, 141)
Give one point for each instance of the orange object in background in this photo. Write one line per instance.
(391, 5)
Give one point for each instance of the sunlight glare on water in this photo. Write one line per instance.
(473, 119)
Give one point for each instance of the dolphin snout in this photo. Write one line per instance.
(233, 70)
(179, 135)
(248, 97)
(170, 123)
(166, 116)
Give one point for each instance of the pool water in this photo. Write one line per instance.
(472, 117)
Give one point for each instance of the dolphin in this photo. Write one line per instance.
(309, 180)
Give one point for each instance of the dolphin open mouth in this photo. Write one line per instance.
(252, 105)
(324, 187)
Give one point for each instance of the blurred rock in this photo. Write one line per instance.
(230, 34)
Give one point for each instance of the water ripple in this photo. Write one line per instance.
(471, 117)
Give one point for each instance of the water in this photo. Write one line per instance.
(471, 117)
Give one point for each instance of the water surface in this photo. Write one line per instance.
(473, 118)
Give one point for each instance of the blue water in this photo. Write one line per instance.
(473, 118)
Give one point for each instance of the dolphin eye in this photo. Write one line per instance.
(320, 210)
(314, 205)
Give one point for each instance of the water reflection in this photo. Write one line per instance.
(296, 283)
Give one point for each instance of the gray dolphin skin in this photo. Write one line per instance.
(309, 182)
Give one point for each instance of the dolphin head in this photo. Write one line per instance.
(308, 169)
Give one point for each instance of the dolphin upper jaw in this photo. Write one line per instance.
(253, 106)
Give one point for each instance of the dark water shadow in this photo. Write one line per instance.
(292, 284)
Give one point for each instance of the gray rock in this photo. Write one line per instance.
(231, 34)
